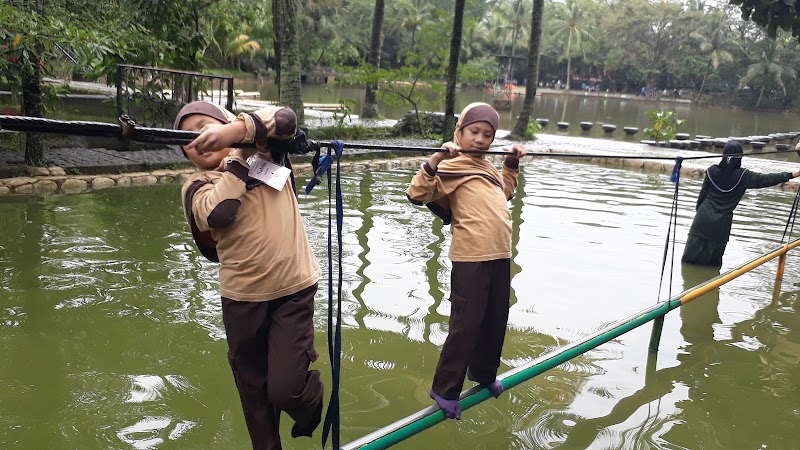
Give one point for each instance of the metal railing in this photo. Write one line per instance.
(153, 97)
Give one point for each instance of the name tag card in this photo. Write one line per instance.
(271, 174)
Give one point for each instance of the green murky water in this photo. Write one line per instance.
(111, 333)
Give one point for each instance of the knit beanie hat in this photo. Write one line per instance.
(205, 108)
(476, 112)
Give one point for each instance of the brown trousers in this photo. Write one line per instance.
(270, 347)
(479, 300)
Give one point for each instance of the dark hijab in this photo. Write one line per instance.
(727, 174)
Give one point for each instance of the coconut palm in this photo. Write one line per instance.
(491, 35)
(240, 46)
(713, 42)
(318, 17)
(285, 20)
(574, 31)
(376, 42)
(515, 14)
(769, 67)
(521, 126)
(413, 15)
(452, 68)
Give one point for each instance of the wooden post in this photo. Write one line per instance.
(119, 90)
(655, 335)
(230, 94)
(779, 274)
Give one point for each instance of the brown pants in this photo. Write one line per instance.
(479, 300)
(270, 346)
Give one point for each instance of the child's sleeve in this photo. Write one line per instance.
(762, 180)
(272, 122)
(215, 205)
(510, 173)
(425, 187)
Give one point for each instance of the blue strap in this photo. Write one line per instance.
(323, 167)
(675, 176)
(331, 424)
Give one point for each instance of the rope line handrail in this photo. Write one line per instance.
(426, 418)
(128, 130)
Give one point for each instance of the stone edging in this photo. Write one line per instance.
(53, 180)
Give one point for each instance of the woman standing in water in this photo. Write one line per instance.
(723, 187)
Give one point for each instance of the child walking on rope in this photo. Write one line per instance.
(268, 274)
(468, 192)
(723, 187)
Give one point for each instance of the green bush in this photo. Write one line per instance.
(665, 125)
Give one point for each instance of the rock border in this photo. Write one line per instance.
(53, 180)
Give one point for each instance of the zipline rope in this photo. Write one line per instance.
(788, 230)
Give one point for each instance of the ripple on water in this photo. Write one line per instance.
(379, 365)
(153, 431)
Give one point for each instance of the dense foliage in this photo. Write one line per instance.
(702, 50)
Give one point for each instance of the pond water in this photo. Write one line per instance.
(112, 337)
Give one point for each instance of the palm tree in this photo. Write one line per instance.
(491, 35)
(573, 31)
(769, 67)
(413, 15)
(514, 14)
(452, 69)
(288, 54)
(375, 44)
(239, 46)
(32, 105)
(318, 18)
(713, 43)
(521, 126)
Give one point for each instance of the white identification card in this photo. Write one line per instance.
(271, 174)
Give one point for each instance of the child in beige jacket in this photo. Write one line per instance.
(468, 192)
(268, 273)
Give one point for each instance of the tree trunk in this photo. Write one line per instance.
(705, 75)
(32, 97)
(196, 21)
(290, 88)
(276, 43)
(760, 94)
(569, 60)
(452, 71)
(521, 126)
(375, 45)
